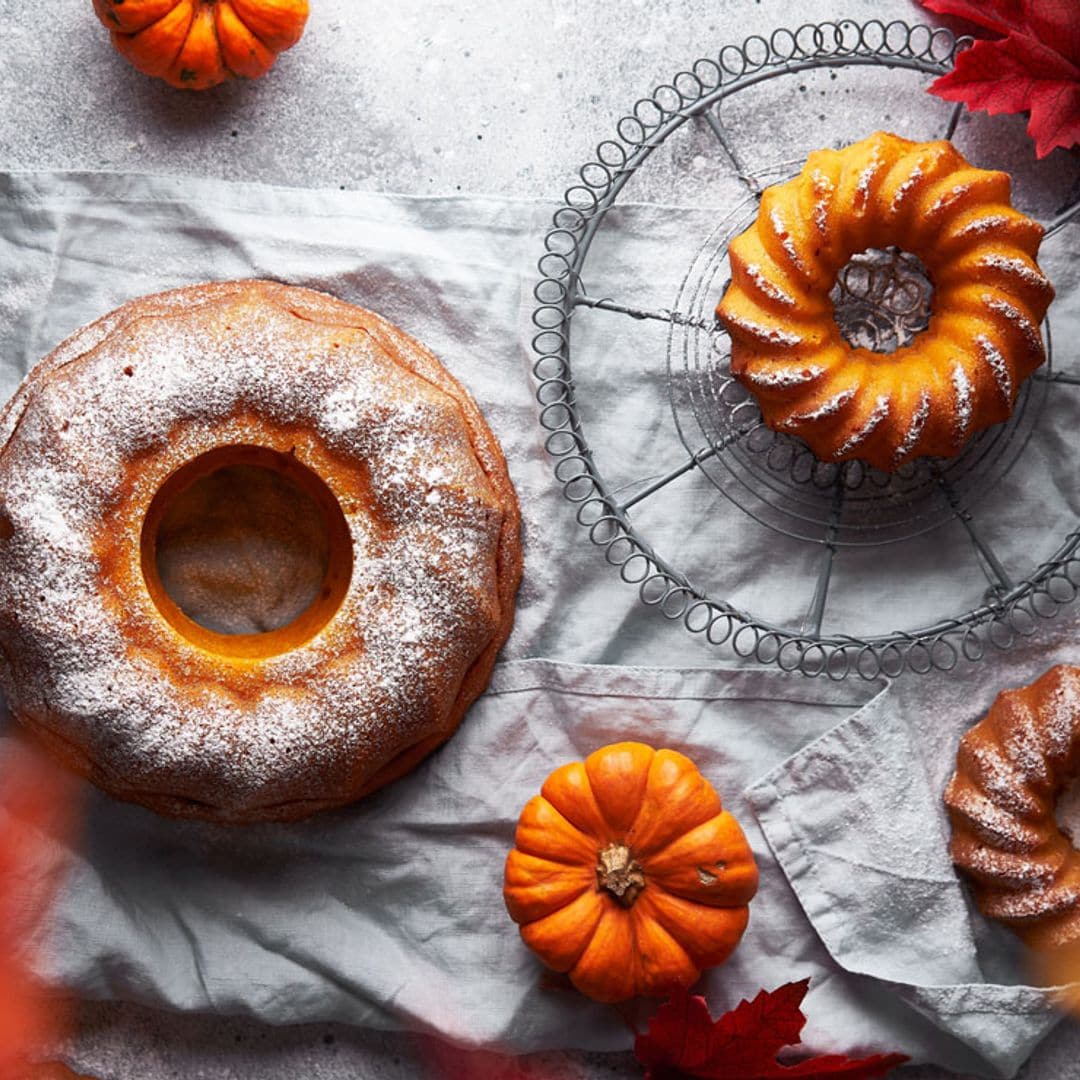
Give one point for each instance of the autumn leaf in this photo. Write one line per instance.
(684, 1040)
(1003, 16)
(1035, 67)
(35, 805)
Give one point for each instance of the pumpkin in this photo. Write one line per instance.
(628, 874)
(196, 44)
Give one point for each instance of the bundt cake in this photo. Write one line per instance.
(1010, 769)
(258, 551)
(956, 377)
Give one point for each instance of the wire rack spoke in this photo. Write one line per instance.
(990, 564)
(702, 455)
(659, 314)
(815, 615)
(712, 119)
(954, 119)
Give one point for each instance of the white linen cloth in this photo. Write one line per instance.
(389, 913)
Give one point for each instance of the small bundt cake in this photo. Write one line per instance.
(1010, 769)
(258, 550)
(956, 377)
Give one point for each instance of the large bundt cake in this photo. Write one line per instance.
(258, 551)
(959, 375)
(1010, 769)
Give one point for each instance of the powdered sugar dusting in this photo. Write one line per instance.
(829, 407)
(823, 190)
(1027, 906)
(767, 287)
(914, 430)
(1015, 266)
(1018, 319)
(1010, 770)
(984, 223)
(964, 399)
(157, 713)
(861, 197)
(999, 826)
(913, 180)
(786, 242)
(1012, 871)
(947, 199)
(773, 335)
(1019, 728)
(990, 767)
(880, 411)
(997, 364)
(779, 376)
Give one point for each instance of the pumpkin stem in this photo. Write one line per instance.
(620, 873)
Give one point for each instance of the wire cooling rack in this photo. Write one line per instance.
(772, 477)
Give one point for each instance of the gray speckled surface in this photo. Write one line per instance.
(424, 98)
(419, 97)
(118, 1042)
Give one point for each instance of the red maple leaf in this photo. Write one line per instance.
(1034, 67)
(684, 1040)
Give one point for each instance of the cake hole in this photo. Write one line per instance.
(7, 526)
(243, 550)
(246, 551)
(882, 299)
(1067, 811)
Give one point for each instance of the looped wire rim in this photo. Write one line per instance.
(998, 623)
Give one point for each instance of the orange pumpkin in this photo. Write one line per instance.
(196, 44)
(628, 874)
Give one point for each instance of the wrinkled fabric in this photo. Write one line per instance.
(859, 832)
(389, 913)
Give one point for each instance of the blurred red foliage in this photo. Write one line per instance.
(36, 812)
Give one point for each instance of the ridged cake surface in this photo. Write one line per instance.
(1010, 769)
(150, 707)
(958, 376)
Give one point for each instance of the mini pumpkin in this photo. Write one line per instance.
(196, 44)
(628, 874)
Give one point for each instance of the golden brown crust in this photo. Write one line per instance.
(384, 756)
(1010, 769)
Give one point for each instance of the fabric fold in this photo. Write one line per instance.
(863, 841)
(389, 913)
